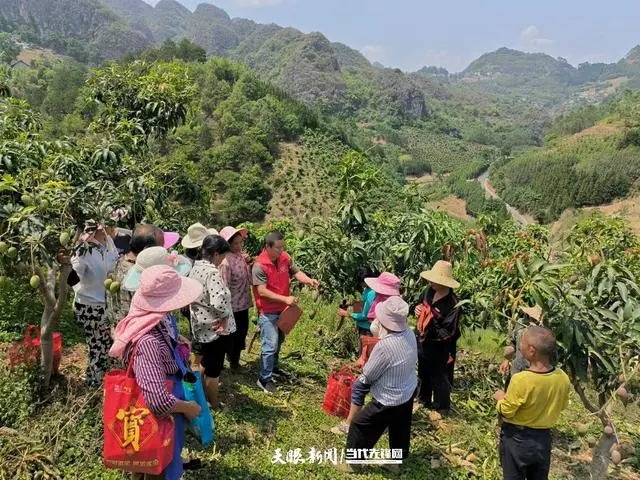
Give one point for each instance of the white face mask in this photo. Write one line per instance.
(377, 330)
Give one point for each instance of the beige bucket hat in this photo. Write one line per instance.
(196, 234)
(442, 274)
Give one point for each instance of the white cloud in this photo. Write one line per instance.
(531, 37)
(256, 3)
(375, 53)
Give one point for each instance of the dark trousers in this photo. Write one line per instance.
(453, 349)
(525, 453)
(368, 426)
(435, 373)
(238, 338)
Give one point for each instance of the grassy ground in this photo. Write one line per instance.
(62, 433)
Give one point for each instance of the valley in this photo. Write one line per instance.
(522, 170)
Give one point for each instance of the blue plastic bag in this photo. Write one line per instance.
(203, 425)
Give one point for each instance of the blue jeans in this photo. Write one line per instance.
(272, 338)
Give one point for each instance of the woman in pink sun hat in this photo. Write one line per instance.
(146, 338)
(387, 285)
(236, 272)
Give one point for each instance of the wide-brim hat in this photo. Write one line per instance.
(170, 239)
(163, 290)
(386, 284)
(392, 314)
(442, 274)
(196, 234)
(228, 232)
(534, 312)
(150, 257)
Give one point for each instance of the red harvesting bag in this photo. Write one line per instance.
(28, 351)
(134, 439)
(337, 399)
(288, 318)
(367, 347)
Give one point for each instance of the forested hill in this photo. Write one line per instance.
(591, 157)
(429, 121)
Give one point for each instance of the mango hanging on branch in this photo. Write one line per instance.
(34, 281)
(64, 239)
(622, 394)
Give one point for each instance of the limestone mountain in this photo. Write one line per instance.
(87, 28)
(308, 66)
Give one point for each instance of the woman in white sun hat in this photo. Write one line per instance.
(192, 241)
(212, 321)
(437, 331)
(151, 257)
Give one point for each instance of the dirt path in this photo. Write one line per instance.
(490, 192)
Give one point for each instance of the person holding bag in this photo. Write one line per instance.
(145, 340)
(361, 318)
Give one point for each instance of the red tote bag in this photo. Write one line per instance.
(367, 347)
(135, 440)
(337, 399)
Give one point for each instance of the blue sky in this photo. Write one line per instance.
(412, 33)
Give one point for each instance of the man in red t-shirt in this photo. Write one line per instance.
(271, 278)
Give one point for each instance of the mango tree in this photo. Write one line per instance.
(48, 189)
(597, 321)
(44, 191)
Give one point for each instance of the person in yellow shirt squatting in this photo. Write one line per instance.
(531, 407)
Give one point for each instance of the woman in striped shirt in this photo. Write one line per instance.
(390, 376)
(146, 338)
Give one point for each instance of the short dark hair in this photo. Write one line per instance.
(365, 272)
(144, 236)
(273, 237)
(214, 244)
(544, 342)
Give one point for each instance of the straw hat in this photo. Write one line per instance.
(150, 257)
(385, 284)
(163, 290)
(392, 314)
(196, 234)
(534, 312)
(228, 232)
(442, 274)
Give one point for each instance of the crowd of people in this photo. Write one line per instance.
(127, 293)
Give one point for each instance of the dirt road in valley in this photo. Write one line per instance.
(490, 192)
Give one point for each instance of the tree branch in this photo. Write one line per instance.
(577, 386)
(47, 293)
(65, 270)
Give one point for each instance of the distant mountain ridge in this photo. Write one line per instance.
(310, 67)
